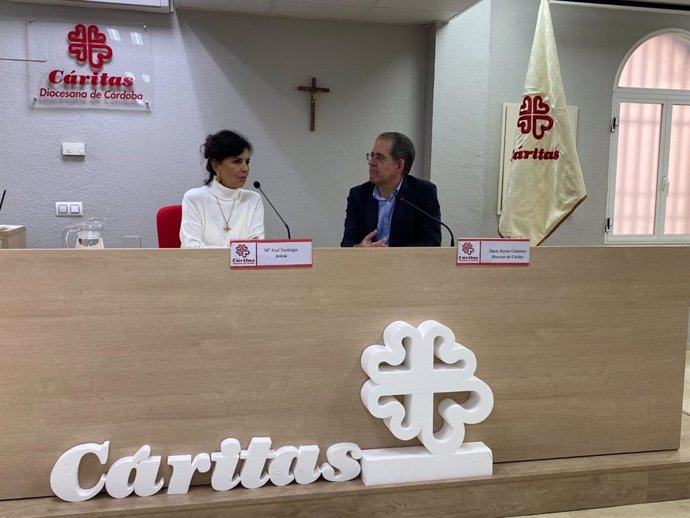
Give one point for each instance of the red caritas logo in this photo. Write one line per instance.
(242, 251)
(88, 43)
(467, 248)
(533, 117)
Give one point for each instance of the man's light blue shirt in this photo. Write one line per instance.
(386, 206)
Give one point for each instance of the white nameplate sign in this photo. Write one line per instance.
(274, 253)
(471, 251)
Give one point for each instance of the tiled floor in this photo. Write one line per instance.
(674, 509)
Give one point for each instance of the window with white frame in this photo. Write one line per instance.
(649, 179)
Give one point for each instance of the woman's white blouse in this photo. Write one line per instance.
(204, 212)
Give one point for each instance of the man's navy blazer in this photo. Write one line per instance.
(409, 227)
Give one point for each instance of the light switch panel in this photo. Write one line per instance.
(68, 208)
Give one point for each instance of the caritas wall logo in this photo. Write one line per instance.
(88, 79)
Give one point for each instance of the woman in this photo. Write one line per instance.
(221, 211)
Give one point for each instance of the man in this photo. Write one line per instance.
(377, 211)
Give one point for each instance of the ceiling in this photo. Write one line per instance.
(412, 12)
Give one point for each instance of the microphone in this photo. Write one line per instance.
(257, 185)
(452, 237)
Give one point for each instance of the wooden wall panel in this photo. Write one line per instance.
(584, 349)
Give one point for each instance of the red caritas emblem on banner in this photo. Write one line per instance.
(533, 116)
(88, 44)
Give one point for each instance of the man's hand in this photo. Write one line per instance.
(367, 241)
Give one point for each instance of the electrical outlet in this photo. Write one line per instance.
(68, 208)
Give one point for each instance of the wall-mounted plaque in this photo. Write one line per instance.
(87, 65)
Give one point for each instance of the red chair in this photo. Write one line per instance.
(168, 221)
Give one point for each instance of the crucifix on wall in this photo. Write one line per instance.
(313, 91)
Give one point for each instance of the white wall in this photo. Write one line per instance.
(213, 71)
(481, 63)
(460, 128)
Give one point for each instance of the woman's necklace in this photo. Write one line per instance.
(227, 227)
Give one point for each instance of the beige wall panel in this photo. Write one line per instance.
(584, 349)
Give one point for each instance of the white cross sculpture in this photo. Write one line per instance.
(405, 366)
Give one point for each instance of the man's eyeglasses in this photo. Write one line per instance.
(376, 157)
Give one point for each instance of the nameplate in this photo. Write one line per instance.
(273, 253)
(512, 252)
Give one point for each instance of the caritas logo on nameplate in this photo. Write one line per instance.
(87, 65)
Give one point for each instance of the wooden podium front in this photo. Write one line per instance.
(583, 349)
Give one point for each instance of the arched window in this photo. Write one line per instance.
(649, 185)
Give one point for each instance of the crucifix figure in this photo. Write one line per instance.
(313, 90)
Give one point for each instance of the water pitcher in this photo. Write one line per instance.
(89, 234)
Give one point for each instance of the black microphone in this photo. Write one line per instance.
(257, 185)
(452, 237)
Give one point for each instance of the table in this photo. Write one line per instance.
(12, 236)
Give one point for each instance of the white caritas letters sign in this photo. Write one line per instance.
(405, 366)
(259, 465)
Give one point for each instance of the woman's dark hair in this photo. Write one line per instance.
(220, 146)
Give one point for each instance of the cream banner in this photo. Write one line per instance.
(546, 182)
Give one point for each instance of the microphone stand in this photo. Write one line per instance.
(257, 185)
(452, 237)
